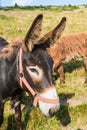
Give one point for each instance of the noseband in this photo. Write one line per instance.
(23, 80)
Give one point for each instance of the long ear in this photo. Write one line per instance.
(55, 34)
(33, 35)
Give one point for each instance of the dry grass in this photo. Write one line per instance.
(15, 23)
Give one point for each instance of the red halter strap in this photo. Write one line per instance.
(23, 80)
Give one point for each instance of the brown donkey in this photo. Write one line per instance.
(65, 48)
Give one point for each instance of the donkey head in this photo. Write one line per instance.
(37, 66)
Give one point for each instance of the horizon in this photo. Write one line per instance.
(41, 5)
(5, 3)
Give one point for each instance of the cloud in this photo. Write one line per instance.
(22, 2)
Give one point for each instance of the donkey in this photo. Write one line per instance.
(27, 66)
(65, 48)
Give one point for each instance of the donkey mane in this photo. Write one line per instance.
(10, 50)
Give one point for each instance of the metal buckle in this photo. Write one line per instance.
(21, 74)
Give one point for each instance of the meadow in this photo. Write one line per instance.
(14, 23)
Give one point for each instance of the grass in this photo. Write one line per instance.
(14, 23)
(68, 118)
(51, 8)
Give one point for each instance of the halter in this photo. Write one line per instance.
(23, 80)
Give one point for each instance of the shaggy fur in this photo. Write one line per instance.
(67, 48)
(9, 50)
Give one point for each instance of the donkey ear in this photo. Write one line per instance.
(57, 31)
(33, 35)
(55, 34)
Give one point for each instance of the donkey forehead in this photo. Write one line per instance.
(40, 57)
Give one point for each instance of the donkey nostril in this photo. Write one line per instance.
(51, 112)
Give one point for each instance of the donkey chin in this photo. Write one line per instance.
(48, 109)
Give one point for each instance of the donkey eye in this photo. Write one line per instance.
(33, 70)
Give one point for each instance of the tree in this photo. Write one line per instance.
(16, 5)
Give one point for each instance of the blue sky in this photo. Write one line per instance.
(42, 2)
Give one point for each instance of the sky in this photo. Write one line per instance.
(41, 2)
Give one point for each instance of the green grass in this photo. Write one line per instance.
(70, 118)
(14, 23)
